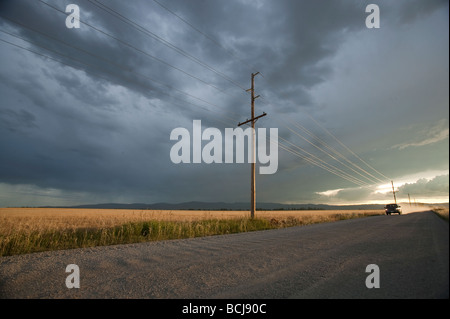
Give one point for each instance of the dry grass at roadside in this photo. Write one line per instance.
(441, 212)
(26, 230)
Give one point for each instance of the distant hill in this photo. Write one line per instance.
(227, 206)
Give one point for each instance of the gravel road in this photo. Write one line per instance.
(317, 261)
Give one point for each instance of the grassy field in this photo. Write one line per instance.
(27, 230)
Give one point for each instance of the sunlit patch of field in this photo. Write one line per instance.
(25, 230)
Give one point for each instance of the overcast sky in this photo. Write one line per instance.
(86, 113)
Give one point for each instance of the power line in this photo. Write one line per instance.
(112, 62)
(96, 67)
(369, 176)
(139, 50)
(217, 43)
(327, 153)
(314, 160)
(353, 153)
(316, 163)
(161, 40)
(119, 66)
(311, 158)
(342, 144)
(300, 152)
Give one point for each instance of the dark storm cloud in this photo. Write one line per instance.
(410, 11)
(100, 121)
(14, 120)
(285, 40)
(109, 57)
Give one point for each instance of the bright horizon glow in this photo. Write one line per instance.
(382, 191)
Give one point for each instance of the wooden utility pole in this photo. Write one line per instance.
(253, 120)
(393, 192)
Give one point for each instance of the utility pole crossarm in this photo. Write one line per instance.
(254, 119)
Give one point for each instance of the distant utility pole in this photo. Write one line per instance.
(393, 192)
(409, 198)
(253, 120)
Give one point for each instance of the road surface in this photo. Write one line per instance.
(317, 261)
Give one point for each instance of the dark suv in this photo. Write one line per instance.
(393, 209)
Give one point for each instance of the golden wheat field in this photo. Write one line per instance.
(27, 230)
(50, 219)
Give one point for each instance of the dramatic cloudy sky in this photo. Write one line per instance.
(86, 113)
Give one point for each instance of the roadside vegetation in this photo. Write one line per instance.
(441, 212)
(21, 233)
